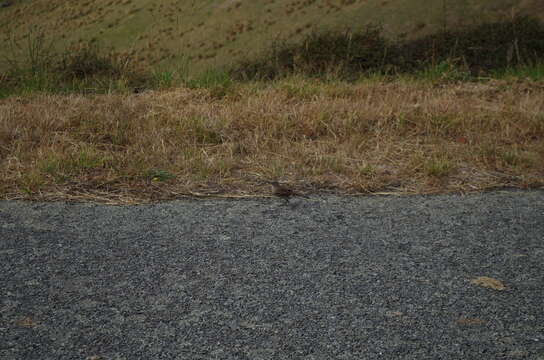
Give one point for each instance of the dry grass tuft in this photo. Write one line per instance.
(401, 137)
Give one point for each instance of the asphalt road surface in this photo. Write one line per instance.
(320, 278)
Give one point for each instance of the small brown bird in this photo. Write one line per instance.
(282, 191)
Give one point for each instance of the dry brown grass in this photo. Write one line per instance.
(396, 137)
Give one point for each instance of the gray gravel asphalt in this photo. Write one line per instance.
(320, 278)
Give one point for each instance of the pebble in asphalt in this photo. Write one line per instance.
(321, 278)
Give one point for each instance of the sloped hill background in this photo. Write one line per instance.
(208, 33)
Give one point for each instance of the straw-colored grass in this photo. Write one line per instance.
(396, 137)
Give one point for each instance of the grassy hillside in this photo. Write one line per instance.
(210, 33)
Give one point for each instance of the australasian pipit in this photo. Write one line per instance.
(282, 191)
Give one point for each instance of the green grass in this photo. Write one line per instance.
(534, 72)
(213, 78)
(447, 70)
(438, 167)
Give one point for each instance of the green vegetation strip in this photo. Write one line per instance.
(506, 48)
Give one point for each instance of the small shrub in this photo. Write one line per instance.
(323, 53)
(86, 65)
(84, 60)
(32, 55)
